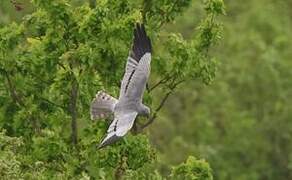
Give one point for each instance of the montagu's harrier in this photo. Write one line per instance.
(129, 105)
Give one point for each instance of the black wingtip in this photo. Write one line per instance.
(109, 141)
(141, 42)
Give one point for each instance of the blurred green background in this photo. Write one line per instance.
(242, 123)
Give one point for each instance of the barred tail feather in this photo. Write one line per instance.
(102, 105)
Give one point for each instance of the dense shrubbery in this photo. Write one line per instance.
(58, 57)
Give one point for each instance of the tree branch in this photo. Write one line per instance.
(150, 121)
(17, 99)
(12, 90)
(52, 103)
(162, 81)
(148, 88)
(154, 116)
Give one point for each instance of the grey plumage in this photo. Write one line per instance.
(102, 105)
(129, 104)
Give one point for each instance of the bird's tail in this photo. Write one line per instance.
(102, 106)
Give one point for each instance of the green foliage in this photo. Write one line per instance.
(160, 12)
(54, 61)
(9, 163)
(48, 147)
(192, 169)
(241, 123)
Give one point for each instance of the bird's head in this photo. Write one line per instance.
(145, 111)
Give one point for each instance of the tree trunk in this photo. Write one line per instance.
(73, 111)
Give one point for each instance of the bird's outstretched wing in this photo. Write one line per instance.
(102, 106)
(132, 87)
(137, 67)
(122, 123)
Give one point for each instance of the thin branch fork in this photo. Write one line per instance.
(162, 81)
(150, 121)
(166, 96)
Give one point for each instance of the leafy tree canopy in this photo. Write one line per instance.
(58, 57)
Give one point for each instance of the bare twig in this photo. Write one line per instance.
(154, 116)
(150, 121)
(162, 81)
(52, 103)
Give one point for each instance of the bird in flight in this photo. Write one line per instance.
(129, 105)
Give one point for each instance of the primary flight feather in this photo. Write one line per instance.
(129, 105)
